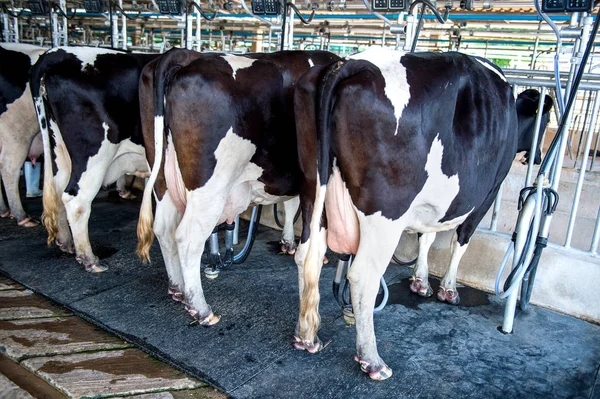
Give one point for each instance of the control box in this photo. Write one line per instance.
(96, 6)
(173, 7)
(266, 7)
(550, 6)
(389, 5)
(38, 7)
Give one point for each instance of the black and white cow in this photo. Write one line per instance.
(88, 110)
(18, 124)
(225, 124)
(527, 109)
(398, 142)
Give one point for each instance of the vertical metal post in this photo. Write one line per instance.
(236, 231)
(270, 40)
(5, 30)
(289, 29)
(64, 34)
(198, 30)
(536, 134)
(398, 35)
(55, 32)
(594, 246)
(113, 26)
(123, 27)
(410, 31)
(496, 212)
(578, 188)
(595, 145)
(16, 28)
(580, 43)
(535, 45)
(188, 30)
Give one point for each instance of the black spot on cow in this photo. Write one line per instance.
(14, 75)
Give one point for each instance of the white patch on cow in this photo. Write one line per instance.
(290, 208)
(158, 153)
(491, 68)
(173, 177)
(233, 167)
(63, 159)
(397, 89)
(432, 202)
(458, 250)
(130, 159)
(19, 119)
(311, 63)
(87, 55)
(237, 62)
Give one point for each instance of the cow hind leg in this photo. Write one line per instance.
(378, 240)
(12, 157)
(78, 209)
(4, 210)
(123, 190)
(288, 242)
(303, 341)
(420, 278)
(165, 223)
(447, 291)
(202, 213)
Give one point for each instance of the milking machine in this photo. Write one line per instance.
(538, 202)
(216, 262)
(276, 216)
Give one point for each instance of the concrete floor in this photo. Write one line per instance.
(435, 350)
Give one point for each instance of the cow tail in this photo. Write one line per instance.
(50, 196)
(166, 66)
(309, 304)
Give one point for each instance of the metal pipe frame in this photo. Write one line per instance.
(536, 134)
(582, 171)
(547, 74)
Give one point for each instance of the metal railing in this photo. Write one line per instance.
(584, 130)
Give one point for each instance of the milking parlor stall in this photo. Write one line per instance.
(297, 199)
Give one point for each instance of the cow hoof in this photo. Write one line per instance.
(379, 373)
(28, 222)
(95, 268)
(206, 321)
(309, 346)
(176, 295)
(448, 295)
(419, 287)
(288, 247)
(65, 248)
(128, 195)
